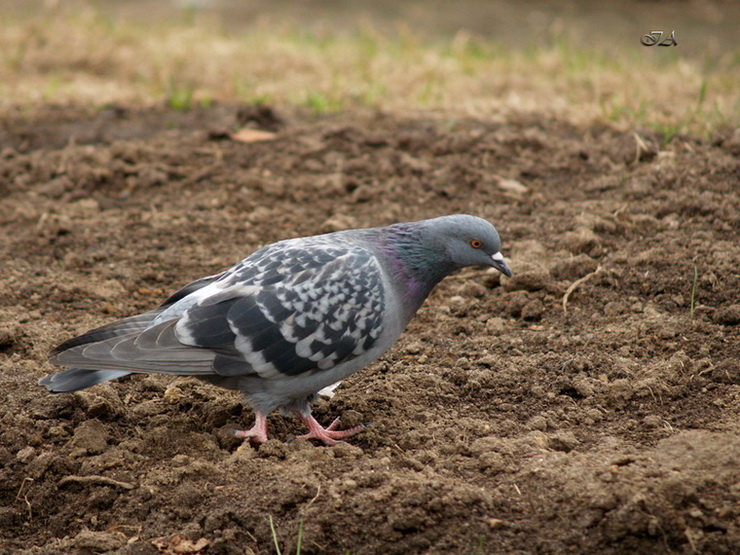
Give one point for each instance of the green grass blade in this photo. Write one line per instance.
(274, 536)
(300, 538)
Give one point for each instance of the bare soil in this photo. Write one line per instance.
(502, 421)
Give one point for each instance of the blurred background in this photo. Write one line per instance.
(703, 26)
(579, 60)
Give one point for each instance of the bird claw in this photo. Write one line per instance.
(329, 435)
(257, 434)
(254, 436)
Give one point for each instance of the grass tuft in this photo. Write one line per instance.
(179, 97)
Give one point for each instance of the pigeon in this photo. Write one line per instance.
(289, 320)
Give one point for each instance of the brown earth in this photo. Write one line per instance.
(502, 423)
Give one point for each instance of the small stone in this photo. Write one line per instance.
(92, 436)
(496, 523)
(260, 214)
(245, 452)
(414, 348)
(347, 450)
(38, 466)
(583, 240)
(574, 267)
(492, 278)
(181, 460)
(56, 187)
(339, 222)
(516, 303)
(728, 316)
(512, 186)
(58, 432)
(583, 387)
(102, 402)
(538, 422)
(652, 421)
(173, 395)
(463, 362)
(726, 371)
(8, 338)
(472, 289)
(102, 541)
(25, 454)
(613, 309)
(532, 279)
(272, 448)
(533, 310)
(352, 418)
(495, 324)
(563, 441)
(492, 462)
(363, 193)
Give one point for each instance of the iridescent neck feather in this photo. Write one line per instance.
(416, 266)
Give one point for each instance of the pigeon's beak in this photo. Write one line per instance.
(499, 263)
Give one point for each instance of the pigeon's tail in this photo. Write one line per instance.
(75, 379)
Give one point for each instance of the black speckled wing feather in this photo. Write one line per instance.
(289, 311)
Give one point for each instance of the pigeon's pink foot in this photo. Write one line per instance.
(257, 434)
(329, 435)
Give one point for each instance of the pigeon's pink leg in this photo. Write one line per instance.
(329, 435)
(256, 434)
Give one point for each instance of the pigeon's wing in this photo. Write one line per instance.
(294, 310)
(307, 309)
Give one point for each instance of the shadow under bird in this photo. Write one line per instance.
(289, 320)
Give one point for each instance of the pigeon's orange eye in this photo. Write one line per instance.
(476, 243)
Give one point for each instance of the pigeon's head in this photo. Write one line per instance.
(466, 241)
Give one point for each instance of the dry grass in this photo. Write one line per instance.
(85, 58)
